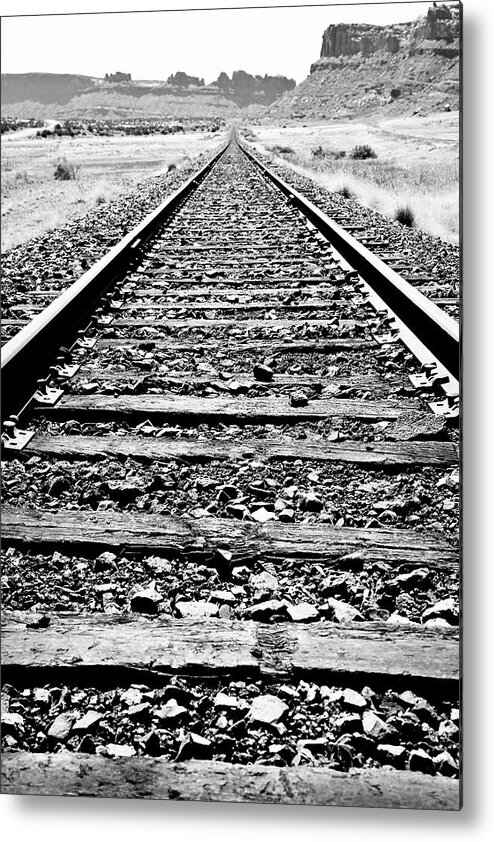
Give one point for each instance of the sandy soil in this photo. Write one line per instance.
(417, 164)
(390, 138)
(34, 202)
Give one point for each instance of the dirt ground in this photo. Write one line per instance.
(34, 202)
(417, 164)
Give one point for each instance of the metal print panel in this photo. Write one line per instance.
(230, 396)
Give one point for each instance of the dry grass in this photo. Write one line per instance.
(103, 192)
(34, 202)
(417, 166)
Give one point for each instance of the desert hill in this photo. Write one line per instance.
(398, 69)
(43, 87)
(117, 96)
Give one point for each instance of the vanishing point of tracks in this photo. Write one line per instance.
(229, 524)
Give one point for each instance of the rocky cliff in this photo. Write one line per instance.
(437, 32)
(344, 39)
(402, 68)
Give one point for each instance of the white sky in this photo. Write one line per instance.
(202, 43)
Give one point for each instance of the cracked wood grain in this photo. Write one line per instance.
(24, 773)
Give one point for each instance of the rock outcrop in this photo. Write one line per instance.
(183, 80)
(442, 23)
(118, 77)
(404, 68)
(344, 39)
(245, 89)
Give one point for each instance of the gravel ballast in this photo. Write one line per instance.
(426, 254)
(138, 582)
(338, 494)
(53, 261)
(238, 721)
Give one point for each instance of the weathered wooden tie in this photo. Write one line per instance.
(441, 454)
(248, 542)
(194, 410)
(24, 773)
(79, 643)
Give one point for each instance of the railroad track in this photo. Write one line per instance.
(230, 491)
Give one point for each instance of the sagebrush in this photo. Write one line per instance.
(282, 150)
(361, 153)
(64, 171)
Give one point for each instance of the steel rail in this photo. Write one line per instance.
(432, 326)
(25, 357)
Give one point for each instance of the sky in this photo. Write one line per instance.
(153, 45)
